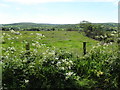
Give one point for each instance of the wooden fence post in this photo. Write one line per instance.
(27, 48)
(84, 48)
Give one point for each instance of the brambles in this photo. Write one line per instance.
(61, 69)
(51, 67)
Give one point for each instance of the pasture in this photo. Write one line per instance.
(55, 60)
(66, 40)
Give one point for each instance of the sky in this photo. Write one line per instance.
(58, 11)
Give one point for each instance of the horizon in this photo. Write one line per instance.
(49, 23)
(58, 11)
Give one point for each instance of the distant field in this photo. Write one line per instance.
(67, 40)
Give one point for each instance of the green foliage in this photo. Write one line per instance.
(37, 27)
(52, 69)
(102, 67)
(55, 27)
(57, 68)
(49, 65)
(99, 32)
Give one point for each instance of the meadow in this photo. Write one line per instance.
(54, 59)
(66, 40)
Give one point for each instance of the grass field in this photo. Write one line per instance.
(56, 60)
(66, 40)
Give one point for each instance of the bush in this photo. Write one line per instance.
(60, 69)
(52, 69)
(100, 66)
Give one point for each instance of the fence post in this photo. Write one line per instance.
(84, 48)
(27, 48)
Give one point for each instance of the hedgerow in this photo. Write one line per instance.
(61, 69)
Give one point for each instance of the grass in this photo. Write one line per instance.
(66, 40)
(46, 67)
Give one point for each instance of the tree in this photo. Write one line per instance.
(92, 30)
(87, 27)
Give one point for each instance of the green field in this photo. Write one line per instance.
(56, 60)
(66, 40)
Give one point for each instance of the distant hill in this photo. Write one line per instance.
(47, 26)
(39, 24)
(27, 25)
(109, 24)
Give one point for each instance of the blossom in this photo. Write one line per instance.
(112, 34)
(69, 73)
(99, 73)
(26, 81)
(33, 44)
(56, 58)
(58, 63)
(39, 34)
(4, 33)
(31, 33)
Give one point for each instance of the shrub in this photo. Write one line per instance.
(100, 66)
(60, 69)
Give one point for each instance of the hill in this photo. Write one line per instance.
(48, 27)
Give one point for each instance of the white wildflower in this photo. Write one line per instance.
(58, 63)
(39, 34)
(31, 33)
(69, 73)
(3, 33)
(33, 44)
(26, 81)
(56, 58)
(112, 34)
(61, 68)
(12, 42)
(9, 38)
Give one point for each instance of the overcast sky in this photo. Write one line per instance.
(58, 11)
